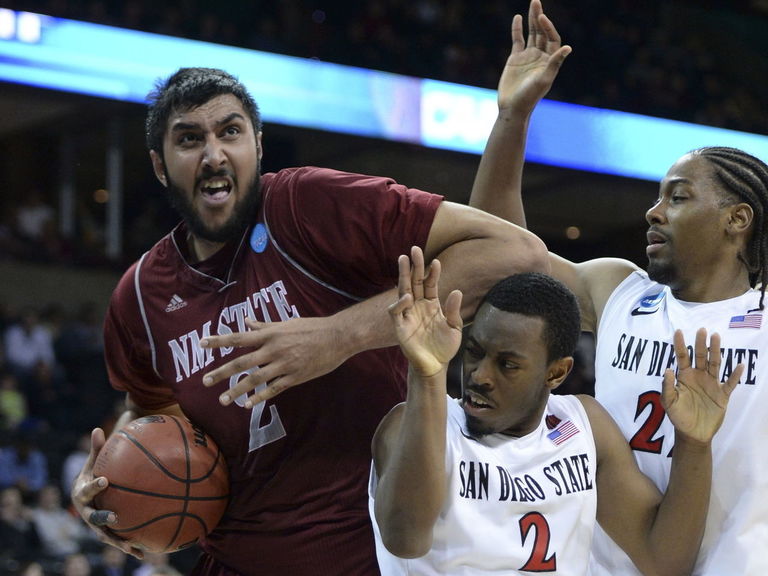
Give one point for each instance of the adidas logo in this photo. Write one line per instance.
(175, 303)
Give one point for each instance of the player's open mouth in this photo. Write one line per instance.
(475, 401)
(216, 190)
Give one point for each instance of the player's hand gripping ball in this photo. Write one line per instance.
(168, 483)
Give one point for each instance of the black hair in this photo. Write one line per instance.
(541, 296)
(745, 177)
(189, 88)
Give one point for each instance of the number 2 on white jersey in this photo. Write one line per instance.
(540, 559)
(645, 439)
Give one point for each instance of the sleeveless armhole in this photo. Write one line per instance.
(143, 312)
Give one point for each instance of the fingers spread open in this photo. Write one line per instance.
(681, 351)
(404, 276)
(518, 42)
(534, 34)
(417, 273)
(700, 352)
(432, 280)
(453, 310)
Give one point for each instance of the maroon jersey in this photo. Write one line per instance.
(299, 463)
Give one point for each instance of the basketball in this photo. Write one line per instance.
(168, 483)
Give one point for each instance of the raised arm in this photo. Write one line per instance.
(662, 533)
(409, 446)
(527, 77)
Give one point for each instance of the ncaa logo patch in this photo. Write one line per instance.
(259, 238)
(649, 304)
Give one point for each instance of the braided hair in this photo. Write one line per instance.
(746, 178)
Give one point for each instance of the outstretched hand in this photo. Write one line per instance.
(533, 65)
(428, 338)
(696, 403)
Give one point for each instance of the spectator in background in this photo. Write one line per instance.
(114, 562)
(164, 571)
(153, 562)
(53, 402)
(13, 403)
(34, 216)
(76, 565)
(19, 541)
(61, 533)
(80, 352)
(74, 462)
(23, 465)
(36, 229)
(32, 569)
(80, 339)
(27, 343)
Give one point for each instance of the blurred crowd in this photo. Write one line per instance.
(696, 61)
(53, 391)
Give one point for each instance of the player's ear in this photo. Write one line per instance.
(159, 167)
(558, 371)
(259, 146)
(740, 218)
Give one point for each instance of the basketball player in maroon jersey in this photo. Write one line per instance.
(287, 277)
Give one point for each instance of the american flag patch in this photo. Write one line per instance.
(563, 431)
(746, 321)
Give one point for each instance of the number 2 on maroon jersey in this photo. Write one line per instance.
(538, 561)
(260, 434)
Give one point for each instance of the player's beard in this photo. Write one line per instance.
(476, 428)
(242, 213)
(662, 272)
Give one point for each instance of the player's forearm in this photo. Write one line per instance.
(412, 490)
(365, 325)
(679, 525)
(472, 264)
(475, 265)
(498, 184)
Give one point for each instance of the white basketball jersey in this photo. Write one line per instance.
(634, 346)
(514, 505)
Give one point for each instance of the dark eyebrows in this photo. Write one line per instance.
(673, 182)
(185, 126)
(502, 354)
(229, 118)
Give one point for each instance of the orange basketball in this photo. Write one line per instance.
(168, 483)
